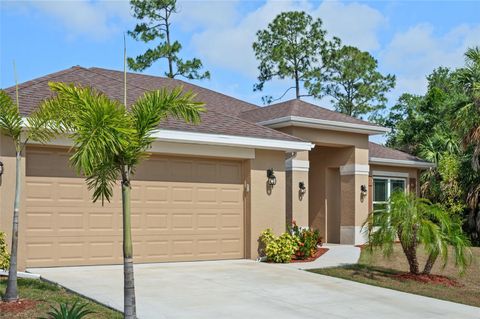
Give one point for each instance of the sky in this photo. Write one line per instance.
(408, 38)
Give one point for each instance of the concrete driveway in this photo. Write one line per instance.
(246, 289)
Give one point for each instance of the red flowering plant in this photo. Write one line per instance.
(307, 240)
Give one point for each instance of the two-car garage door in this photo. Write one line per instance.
(183, 209)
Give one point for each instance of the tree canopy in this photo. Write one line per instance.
(155, 25)
(443, 126)
(353, 82)
(293, 46)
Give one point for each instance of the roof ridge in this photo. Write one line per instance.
(184, 82)
(44, 78)
(257, 125)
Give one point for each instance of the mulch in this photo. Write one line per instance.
(428, 279)
(17, 306)
(319, 253)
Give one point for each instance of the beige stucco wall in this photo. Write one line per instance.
(296, 203)
(265, 208)
(7, 195)
(336, 207)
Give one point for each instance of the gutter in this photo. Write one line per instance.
(403, 163)
(231, 140)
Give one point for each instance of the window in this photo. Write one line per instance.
(383, 187)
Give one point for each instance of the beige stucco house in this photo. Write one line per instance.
(204, 193)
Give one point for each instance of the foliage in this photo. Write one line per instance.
(306, 241)
(4, 255)
(416, 221)
(354, 82)
(442, 126)
(278, 249)
(66, 311)
(155, 17)
(293, 46)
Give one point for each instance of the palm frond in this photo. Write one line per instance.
(10, 118)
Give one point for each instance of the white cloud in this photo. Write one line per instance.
(96, 19)
(194, 14)
(231, 45)
(356, 24)
(414, 53)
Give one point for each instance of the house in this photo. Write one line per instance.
(207, 190)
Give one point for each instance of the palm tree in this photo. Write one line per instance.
(110, 140)
(468, 120)
(416, 221)
(35, 127)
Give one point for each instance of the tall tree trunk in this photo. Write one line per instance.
(128, 276)
(297, 85)
(429, 264)
(410, 251)
(11, 293)
(169, 57)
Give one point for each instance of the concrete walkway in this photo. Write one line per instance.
(239, 289)
(337, 255)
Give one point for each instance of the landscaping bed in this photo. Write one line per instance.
(444, 283)
(36, 297)
(320, 252)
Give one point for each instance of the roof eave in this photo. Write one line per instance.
(402, 163)
(231, 140)
(324, 124)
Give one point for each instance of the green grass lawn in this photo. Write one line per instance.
(374, 269)
(45, 294)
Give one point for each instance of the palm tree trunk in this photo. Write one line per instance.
(410, 251)
(128, 276)
(429, 264)
(11, 293)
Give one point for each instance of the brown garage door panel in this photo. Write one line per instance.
(182, 209)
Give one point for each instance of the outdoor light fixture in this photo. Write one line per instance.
(272, 180)
(363, 190)
(1, 168)
(302, 187)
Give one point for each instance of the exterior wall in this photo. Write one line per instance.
(297, 166)
(7, 195)
(265, 207)
(338, 169)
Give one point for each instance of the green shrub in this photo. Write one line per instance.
(278, 249)
(306, 239)
(66, 311)
(4, 255)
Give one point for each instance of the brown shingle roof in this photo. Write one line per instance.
(380, 151)
(219, 119)
(298, 108)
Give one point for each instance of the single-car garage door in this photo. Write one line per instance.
(183, 209)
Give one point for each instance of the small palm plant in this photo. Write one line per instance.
(110, 140)
(416, 221)
(67, 311)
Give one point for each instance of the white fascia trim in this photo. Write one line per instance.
(230, 140)
(325, 124)
(354, 169)
(297, 165)
(403, 163)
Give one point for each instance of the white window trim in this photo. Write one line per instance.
(389, 186)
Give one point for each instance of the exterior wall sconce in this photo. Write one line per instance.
(271, 179)
(302, 188)
(1, 169)
(363, 190)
